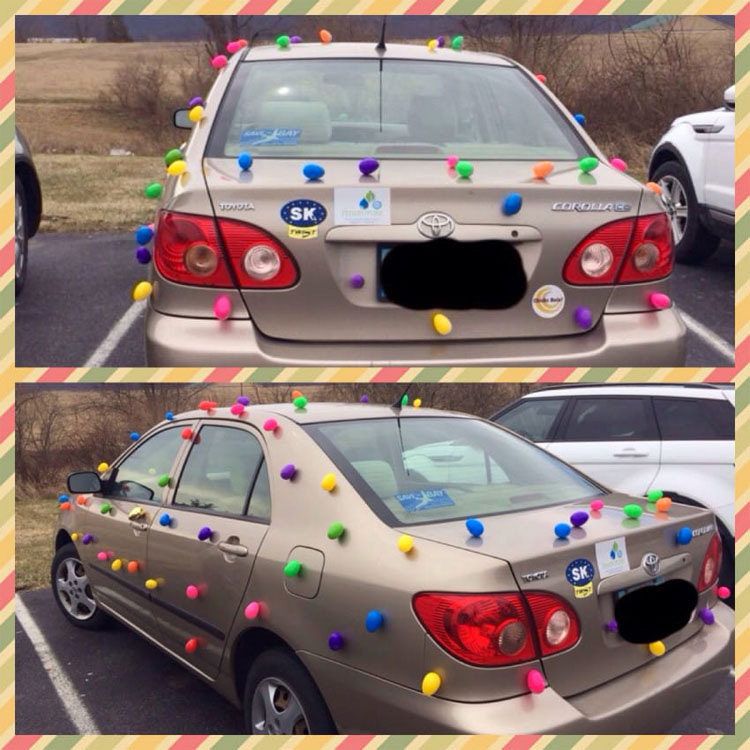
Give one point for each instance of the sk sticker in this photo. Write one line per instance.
(612, 557)
(362, 205)
(302, 233)
(548, 301)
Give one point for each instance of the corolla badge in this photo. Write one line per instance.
(589, 206)
(436, 224)
(651, 563)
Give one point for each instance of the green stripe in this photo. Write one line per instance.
(232, 742)
(742, 63)
(430, 374)
(7, 505)
(7, 631)
(464, 7)
(138, 375)
(9, 8)
(97, 374)
(472, 374)
(298, 7)
(264, 374)
(131, 7)
(631, 7)
(173, 7)
(730, 741)
(7, 129)
(742, 396)
(306, 374)
(7, 339)
(338, 7)
(397, 742)
(564, 742)
(7, 462)
(439, 741)
(742, 230)
(597, 374)
(605, 742)
(106, 742)
(63, 742)
(506, 6)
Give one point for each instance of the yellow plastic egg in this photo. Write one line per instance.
(405, 543)
(75, 536)
(432, 45)
(328, 482)
(196, 113)
(417, 403)
(151, 583)
(177, 167)
(657, 648)
(103, 466)
(431, 683)
(141, 290)
(442, 324)
(116, 564)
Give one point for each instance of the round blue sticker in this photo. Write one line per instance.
(303, 213)
(579, 572)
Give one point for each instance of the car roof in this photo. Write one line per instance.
(676, 390)
(368, 49)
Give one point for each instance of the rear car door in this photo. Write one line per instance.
(613, 439)
(130, 488)
(719, 189)
(223, 486)
(533, 418)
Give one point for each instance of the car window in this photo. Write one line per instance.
(699, 419)
(260, 499)
(603, 419)
(408, 109)
(220, 470)
(137, 477)
(409, 473)
(533, 419)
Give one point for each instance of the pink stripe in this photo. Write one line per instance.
(89, 8)
(742, 521)
(589, 6)
(256, 6)
(521, 742)
(188, 741)
(389, 374)
(741, 22)
(688, 742)
(723, 374)
(55, 374)
(7, 422)
(21, 741)
(7, 256)
(742, 188)
(556, 374)
(422, 7)
(7, 89)
(7, 588)
(741, 688)
(222, 374)
(355, 741)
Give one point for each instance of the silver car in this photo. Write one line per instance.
(344, 204)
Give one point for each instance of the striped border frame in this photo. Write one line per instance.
(9, 375)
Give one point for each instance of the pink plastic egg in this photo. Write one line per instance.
(535, 681)
(659, 300)
(723, 592)
(219, 61)
(452, 161)
(191, 592)
(101, 556)
(270, 425)
(222, 307)
(597, 504)
(237, 409)
(233, 47)
(252, 610)
(618, 163)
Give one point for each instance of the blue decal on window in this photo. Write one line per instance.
(424, 500)
(579, 572)
(303, 213)
(270, 137)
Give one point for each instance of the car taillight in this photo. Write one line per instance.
(711, 564)
(494, 630)
(626, 251)
(187, 250)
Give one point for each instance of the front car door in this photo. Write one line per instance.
(533, 418)
(719, 188)
(223, 487)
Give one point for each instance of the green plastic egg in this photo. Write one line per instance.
(174, 154)
(588, 164)
(654, 495)
(300, 402)
(458, 42)
(632, 510)
(464, 169)
(404, 400)
(154, 190)
(106, 507)
(335, 530)
(292, 568)
(163, 480)
(282, 41)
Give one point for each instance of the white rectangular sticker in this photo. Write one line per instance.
(362, 205)
(612, 557)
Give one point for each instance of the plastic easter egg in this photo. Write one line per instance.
(65, 506)
(174, 154)
(103, 556)
(562, 530)
(618, 163)
(81, 499)
(374, 620)
(143, 255)
(596, 504)
(417, 403)
(116, 564)
(163, 480)
(540, 77)
(659, 300)
(474, 526)
(63, 498)
(663, 503)
(535, 681)
(432, 45)
(165, 519)
(222, 307)
(270, 424)
(295, 39)
(244, 400)
(186, 433)
(151, 583)
(244, 161)
(580, 119)
(685, 535)
(364, 399)
(204, 533)
(219, 61)
(431, 683)
(292, 568)
(723, 592)
(288, 471)
(313, 171)
(356, 281)
(653, 495)
(191, 592)
(194, 115)
(632, 510)
(335, 530)
(141, 290)
(464, 169)
(242, 42)
(325, 36)
(654, 187)
(512, 204)
(707, 616)
(328, 483)
(441, 41)
(335, 641)
(191, 645)
(252, 610)
(583, 317)
(542, 168)
(87, 538)
(136, 513)
(154, 190)
(169, 416)
(405, 399)
(368, 166)
(196, 101)
(206, 405)
(133, 566)
(233, 47)
(177, 167)
(579, 518)
(588, 164)
(657, 648)
(144, 235)
(296, 393)
(405, 543)
(612, 626)
(105, 508)
(283, 41)
(457, 42)
(442, 324)
(75, 536)
(300, 402)
(134, 436)
(451, 161)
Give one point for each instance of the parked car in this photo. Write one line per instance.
(412, 264)
(694, 165)
(299, 561)
(636, 438)
(28, 207)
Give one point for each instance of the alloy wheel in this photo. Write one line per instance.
(674, 197)
(277, 710)
(74, 590)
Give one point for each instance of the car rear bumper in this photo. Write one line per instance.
(648, 700)
(627, 339)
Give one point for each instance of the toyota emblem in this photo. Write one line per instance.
(651, 563)
(434, 225)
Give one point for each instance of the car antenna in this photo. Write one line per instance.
(381, 44)
(398, 404)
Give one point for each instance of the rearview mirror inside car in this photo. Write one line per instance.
(84, 482)
(181, 120)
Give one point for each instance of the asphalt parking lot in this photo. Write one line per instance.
(124, 685)
(76, 308)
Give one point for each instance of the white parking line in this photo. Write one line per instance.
(64, 688)
(115, 335)
(707, 336)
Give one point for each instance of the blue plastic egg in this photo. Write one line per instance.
(474, 526)
(580, 119)
(245, 161)
(169, 415)
(562, 530)
(63, 498)
(313, 171)
(165, 519)
(512, 204)
(684, 535)
(134, 436)
(374, 620)
(144, 235)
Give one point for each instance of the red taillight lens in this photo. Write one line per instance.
(493, 630)
(711, 564)
(626, 251)
(187, 250)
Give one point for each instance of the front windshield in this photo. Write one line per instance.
(409, 109)
(424, 469)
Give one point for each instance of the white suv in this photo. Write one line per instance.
(694, 165)
(634, 438)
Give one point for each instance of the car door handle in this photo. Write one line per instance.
(630, 454)
(138, 526)
(233, 549)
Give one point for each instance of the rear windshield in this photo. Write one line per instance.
(416, 470)
(351, 108)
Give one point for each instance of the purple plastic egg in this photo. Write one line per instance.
(335, 641)
(196, 101)
(288, 471)
(707, 616)
(368, 166)
(357, 281)
(579, 518)
(612, 626)
(583, 317)
(143, 255)
(87, 538)
(365, 399)
(295, 39)
(441, 41)
(244, 400)
(204, 533)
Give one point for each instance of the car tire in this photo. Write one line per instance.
(73, 592)
(276, 682)
(697, 243)
(21, 236)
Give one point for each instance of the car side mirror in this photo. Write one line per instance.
(84, 482)
(181, 120)
(729, 98)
